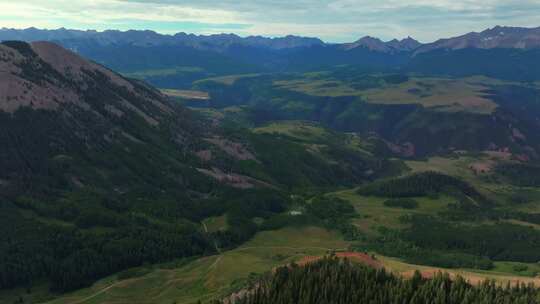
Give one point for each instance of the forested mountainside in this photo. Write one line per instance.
(417, 115)
(255, 153)
(100, 173)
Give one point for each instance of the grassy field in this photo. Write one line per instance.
(503, 273)
(213, 276)
(451, 95)
(456, 166)
(164, 72)
(216, 223)
(318, 87)
(475, 169)
(186, 94)
(467, 167)
(304, 131)
(216, 276)
(314, 134)
(373, 213)
(228, 80)
(442, 94)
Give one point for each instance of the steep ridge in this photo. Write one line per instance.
(497, 37)
(151, 38)
(94, 169)
(374, 44)
(100, 173)
(71, 107)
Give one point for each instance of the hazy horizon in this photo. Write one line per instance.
(243, 36)
(331, 21)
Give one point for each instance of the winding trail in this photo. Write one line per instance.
(214, 265)
(99, 292)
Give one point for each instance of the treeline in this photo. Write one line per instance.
(296, 168)
(335, 281)
(71, 257)
(87, 235)
(394, 243)
(500, 242)
(243, 208)
(422, 184)
(432, 241)
(269, 207)
(523, 175)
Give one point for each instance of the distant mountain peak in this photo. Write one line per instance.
(152, 38)
(505, 37)
(376, 44)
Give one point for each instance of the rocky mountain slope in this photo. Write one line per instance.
(498, 37)
(59, 111)
(99, 173)
(177, 61)
(151, 38)
(393, 46)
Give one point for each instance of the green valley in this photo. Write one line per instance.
(261, 164)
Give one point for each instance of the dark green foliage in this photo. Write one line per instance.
(501, 242)
(87, 193)
(331, 209)
(405, 203)
(512, 64)
(520, 268)
(394, 243)
(524, 175)
(422, 184)
(335, 214)
(128, 58)
(338, 281)
(519, 198)
(242, 208)
(429, 131)
(73, 258)
(22, 47)
(287, 220)
(294, 167)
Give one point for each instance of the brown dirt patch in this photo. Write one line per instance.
(482, 167)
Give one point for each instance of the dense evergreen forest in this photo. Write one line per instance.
(86, 192)
(524, 175)
(336, 281)
(420, 184)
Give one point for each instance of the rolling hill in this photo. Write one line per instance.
(100, 173)
(272, 151)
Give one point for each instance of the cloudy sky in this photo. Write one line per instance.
(333, 21)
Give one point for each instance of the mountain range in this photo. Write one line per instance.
(151, 38)
(177, 61)
(497, 37)
(111, 172)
